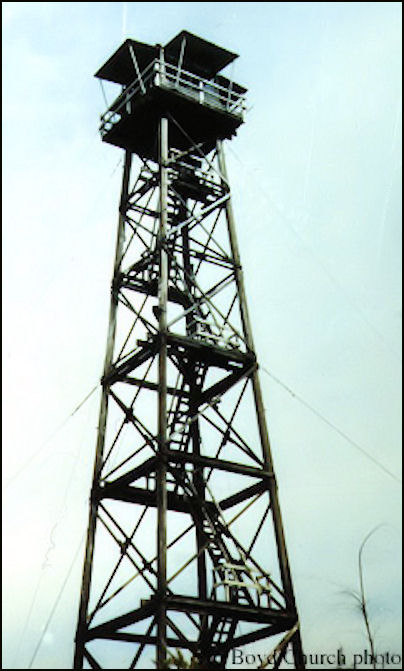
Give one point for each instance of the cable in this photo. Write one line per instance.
(55, 605)
(27, 619)
(52, 543)
(103, 93)
(333, 426)
(45, 443)
(309, 249)
(358, 310)
(87, 222)
(124, 20)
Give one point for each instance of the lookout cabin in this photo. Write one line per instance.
(182, 81)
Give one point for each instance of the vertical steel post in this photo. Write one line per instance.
(102, 421)
(161, 483)
(262, 425)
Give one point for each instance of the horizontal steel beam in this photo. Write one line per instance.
(146, 610)
(145, 469)
(283, 620)
(216, 356)
(178, 457)
(149, 640)
(220, 464)
(186, 604)
(152, 386)
(258, 635)
(145, 497)
(244, 494)
(119, 370)
(224, 385)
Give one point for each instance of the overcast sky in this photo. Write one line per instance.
(316, 173)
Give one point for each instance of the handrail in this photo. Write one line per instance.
(125, 92)
(209, 92)
(210, 82)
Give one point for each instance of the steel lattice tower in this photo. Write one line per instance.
(185, 545)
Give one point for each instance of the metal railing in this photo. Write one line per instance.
(164, 75)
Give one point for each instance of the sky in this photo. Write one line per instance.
(315, 172)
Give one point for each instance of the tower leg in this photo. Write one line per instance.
(162, 401)
(102, 421)
(262, 426)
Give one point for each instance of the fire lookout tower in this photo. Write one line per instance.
(185, 544)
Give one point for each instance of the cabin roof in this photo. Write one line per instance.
(201, 57)
(119, 67)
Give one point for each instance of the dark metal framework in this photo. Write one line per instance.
(185, 546)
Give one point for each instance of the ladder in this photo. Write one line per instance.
(236, 574)
(221, 631)
(232, 572)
